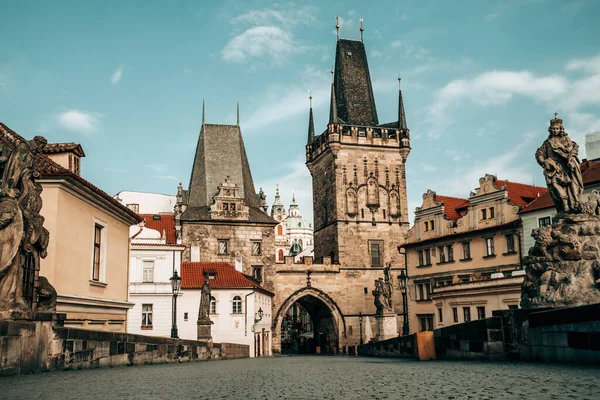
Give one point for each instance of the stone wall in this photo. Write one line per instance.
(37, 346)
(402, 346)
(481, 339)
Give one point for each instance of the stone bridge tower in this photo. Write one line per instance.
(360, 214)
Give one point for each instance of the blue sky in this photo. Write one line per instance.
(481, 79)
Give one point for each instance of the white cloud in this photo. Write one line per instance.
(157, 168)
(168, 177)
(116, 77)
(80, 121)
(291, 16)
(261, 41)
(410, 50)
(589, 65)
(428, 167)
(453, 154)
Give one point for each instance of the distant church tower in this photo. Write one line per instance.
(358, 170)
(278, 209)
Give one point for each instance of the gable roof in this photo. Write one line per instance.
(355, 103)
(451, 205)
(53, 148)
(521, 194)
(220, 153)
(226, 277)
(48, 168)
(160, 223)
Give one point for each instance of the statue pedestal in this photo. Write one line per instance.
(387, 326)
(563, 267)
(204, 327)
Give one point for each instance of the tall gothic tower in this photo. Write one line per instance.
(358, 170)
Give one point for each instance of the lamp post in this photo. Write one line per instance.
(360, 321)
(260, 315)
(175, 286)
(402, 281)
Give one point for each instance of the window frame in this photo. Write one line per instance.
(480, 315)
(260, 273)
(510, 250)
(236, 304)
(99, 266)
(425, 322)
(144, 269)
(455, 314)
(212, 307)
(226, 242)
(467, 314)
(256, 247)
(466, 254)
(147, 315)
(488, 247)
(379, 245)
(423, 291)
(483, 214)
(540, 219)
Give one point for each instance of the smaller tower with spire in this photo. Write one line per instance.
(278, 209)
(311, 122)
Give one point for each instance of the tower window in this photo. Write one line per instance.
(362, 212)
(376, 248)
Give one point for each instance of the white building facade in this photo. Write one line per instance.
(240, 309)
(293, 234)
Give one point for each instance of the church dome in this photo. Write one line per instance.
(297, 223)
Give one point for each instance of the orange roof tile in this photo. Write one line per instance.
(451, 205)
(521, 194)
(226, 277)
(541, 203)
(160, 223)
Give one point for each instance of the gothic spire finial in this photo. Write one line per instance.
(203, 112)
(401, 114)
(332, 74)
(337, 26)
(310, 98)
(555, 115)
(238, 113)
(361, 30)
(311, 123)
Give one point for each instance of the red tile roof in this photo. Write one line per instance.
(451, 205)
(226, 277)
(514, 223)
(541, 203)
(48, 168)
(51, 148)
(160, 223)
(520, 194)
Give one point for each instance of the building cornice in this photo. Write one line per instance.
(92, 301)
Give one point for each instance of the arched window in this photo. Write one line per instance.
(213, 305)
(279, 230)
(300, 243)
(280, 255)
(237, 305)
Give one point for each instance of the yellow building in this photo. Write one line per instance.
(88, 253)
(464, 255)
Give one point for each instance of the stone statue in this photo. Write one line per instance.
(388, 288)
(558, 157)
(204, 311)
(377, 297)
(23, 238)
(563, 267)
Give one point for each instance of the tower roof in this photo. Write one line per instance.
(220, 154)
(353, 92)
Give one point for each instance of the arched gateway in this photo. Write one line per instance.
(327, 321)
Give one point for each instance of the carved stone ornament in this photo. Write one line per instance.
(383, 293)
(204, 310)
(23, 238)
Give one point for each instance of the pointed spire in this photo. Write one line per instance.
(311, 123)
(337, 26)
(202, 112)
(333, 118)
(238, 113)
(362, 30)
(293, 197)
(401, 115)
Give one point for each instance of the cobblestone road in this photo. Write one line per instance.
(313, 377)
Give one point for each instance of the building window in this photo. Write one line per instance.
(97, 262)
(510, 243)
(491, 212)
(350, 330)
(237, 305)
(376, 256)
(445, 281)
(466, 250)
(384, 213)
(441, 254)
(257, 274)
(223, 247)
(423, 291)
(256, 248)
(279, 230)
(146, 315)
(426, 322)
(424, 257)
(489, 246)
(440, 315)
(545, 221)
(467, 313)
(426, 226)
(480, 312)
(362, 212)
(213, 305)
(432, 225)
(185, 316)
(280, 255)
(148, 271)
(455, 314)
(77, 169)
(225, 206)
(450, 252)
(484, 214)
(195, 253)
(464, 278)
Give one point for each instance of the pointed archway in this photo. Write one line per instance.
(328, 324)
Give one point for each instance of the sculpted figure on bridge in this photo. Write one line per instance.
(23, 238)
(204, 299)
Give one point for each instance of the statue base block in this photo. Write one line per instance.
(563, 267)
(387, 326)
(204, 330)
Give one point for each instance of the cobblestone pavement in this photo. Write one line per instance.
(313, 377)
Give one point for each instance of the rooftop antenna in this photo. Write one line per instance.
(337, 26)
(361, 30)
(238, 113)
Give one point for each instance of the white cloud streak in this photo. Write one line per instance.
(116, 76)
(80, 121)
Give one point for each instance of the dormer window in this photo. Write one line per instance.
(76, 165)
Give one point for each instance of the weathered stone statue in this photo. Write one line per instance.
(388, 288)
(558, 157)
(23, 239)
(563, 267)
(377, 297)
(203, 313)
